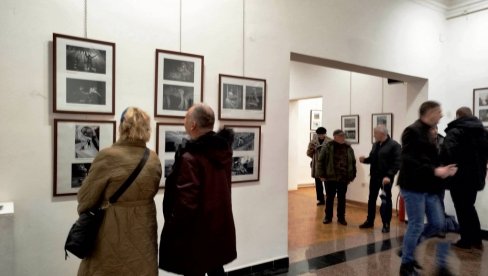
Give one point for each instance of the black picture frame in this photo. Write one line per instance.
(350, 126)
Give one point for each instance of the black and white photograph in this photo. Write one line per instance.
(79, 171)
(168, 166)
(233, 96)
(254, 98)
(177, 97)
(76, 144)
(87, 142)
(350, 126)
(84, 59)
(242, 165)
(179, 70)
(242, 98)
(246, 152)
(83, 75)
(315, 119)
(480, 105)
(243, 141)
(85, 92)
(169, 136)
(179, 83)
(173, 140)
(385, 119)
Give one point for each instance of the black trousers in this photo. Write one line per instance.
(333, 188)
(469, 223)
(219, 271)
(319, 189)
(375, 184)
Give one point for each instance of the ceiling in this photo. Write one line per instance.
(456, 8)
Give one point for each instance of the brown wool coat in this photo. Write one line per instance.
(127, 241)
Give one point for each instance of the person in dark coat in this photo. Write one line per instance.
(420, 184)
(198, 235)
(466, 144)
(385, 163)
(313, 150)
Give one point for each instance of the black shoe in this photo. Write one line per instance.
(444, 271)
(386, 228)
(320, 203)
(408, 269)
(342, 221)
(326, 221)
(462, 244)
(366, 224)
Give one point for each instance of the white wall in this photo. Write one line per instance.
(299, 163)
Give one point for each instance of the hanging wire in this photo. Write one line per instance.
(243, 37)
(350, 93)
(86, 19)
(382, 94)
(181, 4)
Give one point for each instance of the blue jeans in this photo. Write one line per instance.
(417, 205)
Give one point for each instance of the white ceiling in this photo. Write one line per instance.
(455, 8)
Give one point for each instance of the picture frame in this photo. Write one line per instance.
(76, 143)
(242, 98)
(179, 83)
(246, 158)
(168, 137)
(350, 126)
(83, 75)
(315, 119)
(385, 119)
(480, 104)
(312, 134)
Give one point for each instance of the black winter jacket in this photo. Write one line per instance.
(466, 145)
(388, 159)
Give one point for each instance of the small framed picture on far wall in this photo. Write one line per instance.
(385, 119)
(350, 126)
(315, 119)
(480, 105)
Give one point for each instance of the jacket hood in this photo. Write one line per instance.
(216, 146)
(465, 122)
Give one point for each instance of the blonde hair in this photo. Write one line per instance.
(135, 124)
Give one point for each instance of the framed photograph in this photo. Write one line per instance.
(242, 99)
(83, 75)
(480, 105)
(168, 138)
(385, 119)
(247, 153)
(76, 143)
(312, 134)
(315, 119)
(179, 83)
(350, 126)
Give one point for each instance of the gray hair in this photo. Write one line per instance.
(203, 116)
(382, 129)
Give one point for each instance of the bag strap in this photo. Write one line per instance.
(131, 178)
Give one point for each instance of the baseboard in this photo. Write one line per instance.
(268, 268)
(305, 185)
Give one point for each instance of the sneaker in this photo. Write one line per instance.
(342, 221)
(366, 224)
(326, 221)
(386, 228)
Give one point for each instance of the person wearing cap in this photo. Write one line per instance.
(316, 144)
(336, 165)
(384, 159)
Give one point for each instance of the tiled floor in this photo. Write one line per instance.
(333, 249)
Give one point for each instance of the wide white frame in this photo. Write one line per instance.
(315, 123)
(166, 156)
(375, 117)
(480, 104)
(351, 130)
(248, 150)
(61, 75)
(65, 151)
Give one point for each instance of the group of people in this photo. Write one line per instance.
(428, 164)
(198, 235)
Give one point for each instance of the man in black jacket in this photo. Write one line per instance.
(385, 162)
(420, 184)
(466, 145)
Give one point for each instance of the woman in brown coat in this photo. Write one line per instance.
(127, 241)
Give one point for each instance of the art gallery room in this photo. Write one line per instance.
(273, 71)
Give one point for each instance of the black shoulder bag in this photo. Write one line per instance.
(83, 234)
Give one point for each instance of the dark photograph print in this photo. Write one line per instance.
(233, 97)
(350, 134)
(349, 123)
(168, 166)
(483, 99)
(85, 59)
(179, 70)
(381, 120)
(243, 141)
(483, 115)
(173, 140)
(79, 171)
(254, 98)
(242, 165)
(177, 97)
(87, 141)
(85, 91)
